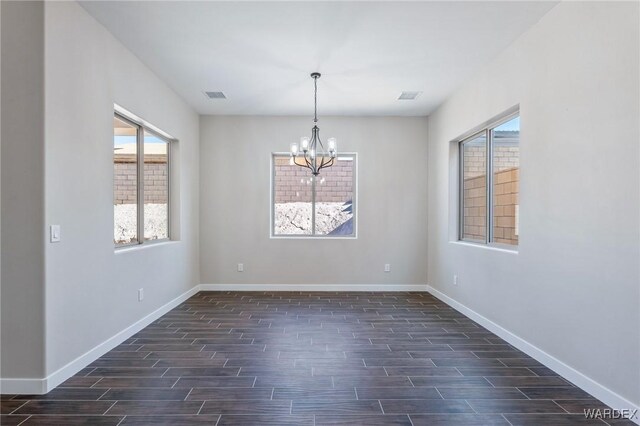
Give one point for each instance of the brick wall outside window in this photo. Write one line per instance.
(155, 179)
(291, 182)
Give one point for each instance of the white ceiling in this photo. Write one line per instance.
(260, 54)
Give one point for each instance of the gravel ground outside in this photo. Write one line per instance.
(155, 223)
(295, 218)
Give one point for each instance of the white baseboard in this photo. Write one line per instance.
(41, 386)
(587, 384)
(23, 386)
(313, 287)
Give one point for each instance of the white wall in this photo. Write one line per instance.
(573, 288)
(234, 200)
(22, 291)
(91, 291)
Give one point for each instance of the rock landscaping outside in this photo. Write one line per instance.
(295, 218)
(125, 216)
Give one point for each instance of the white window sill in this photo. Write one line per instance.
(486, 246)
(292, 237)
(136, 247)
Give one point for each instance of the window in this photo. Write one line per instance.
(140, 183)
(303, 206)
(489, 183)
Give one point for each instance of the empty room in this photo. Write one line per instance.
(320, 213)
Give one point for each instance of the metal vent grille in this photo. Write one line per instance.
(215, 95)
(408, 96)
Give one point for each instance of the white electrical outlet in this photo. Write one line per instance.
(240, 267)
(387, 267)
(140, 294)
(455, 280)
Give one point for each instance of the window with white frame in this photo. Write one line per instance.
(489, 183)
(140, 183)
(307, 206)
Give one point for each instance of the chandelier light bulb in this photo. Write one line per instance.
(294, 149)
(304, 143)
(332, 145)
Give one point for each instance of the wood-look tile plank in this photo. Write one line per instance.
(123, 362)
(342, 382)
(257, 406)
(456, 382)
(189, 362)
(201, 372)
(180, 354)
(527, 381)
(145, 394)
(362, 419)
(514, 406)
(14, 420)
(458, 420)
(128, 372)
(551, 420)
(135, 382)
(398, 362)
(425, 392)
(349, 371)
(170, 420)
(74, 394)
(481, 393)
(71, 420)
(466, 362)
(215, 382)
(422, 371)
(303, 394)
(411, 406)
(495, 371)
(79, 382)
(555, 393)
(172, 348)
(334, 407)
(265, 420)
(543, 371)
(578, 406)
(441, 354)
(64, 407)
(141, 408)
(520, 362)
(9, 406)
(500, 354)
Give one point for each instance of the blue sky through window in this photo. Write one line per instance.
(509, 126)
(123, 140)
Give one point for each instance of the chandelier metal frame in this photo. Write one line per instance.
(311, 150)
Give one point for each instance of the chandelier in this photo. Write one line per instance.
(310, 153)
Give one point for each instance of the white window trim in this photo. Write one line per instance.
(142, 126)
(485, 128)
(355, 205)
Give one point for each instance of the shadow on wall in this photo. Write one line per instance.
(347, 227)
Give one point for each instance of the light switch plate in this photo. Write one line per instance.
(240, 267)
(55, 233)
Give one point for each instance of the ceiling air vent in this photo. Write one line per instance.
(215, 95)
(408, 96)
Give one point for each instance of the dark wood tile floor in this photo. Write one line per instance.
(268, 358)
